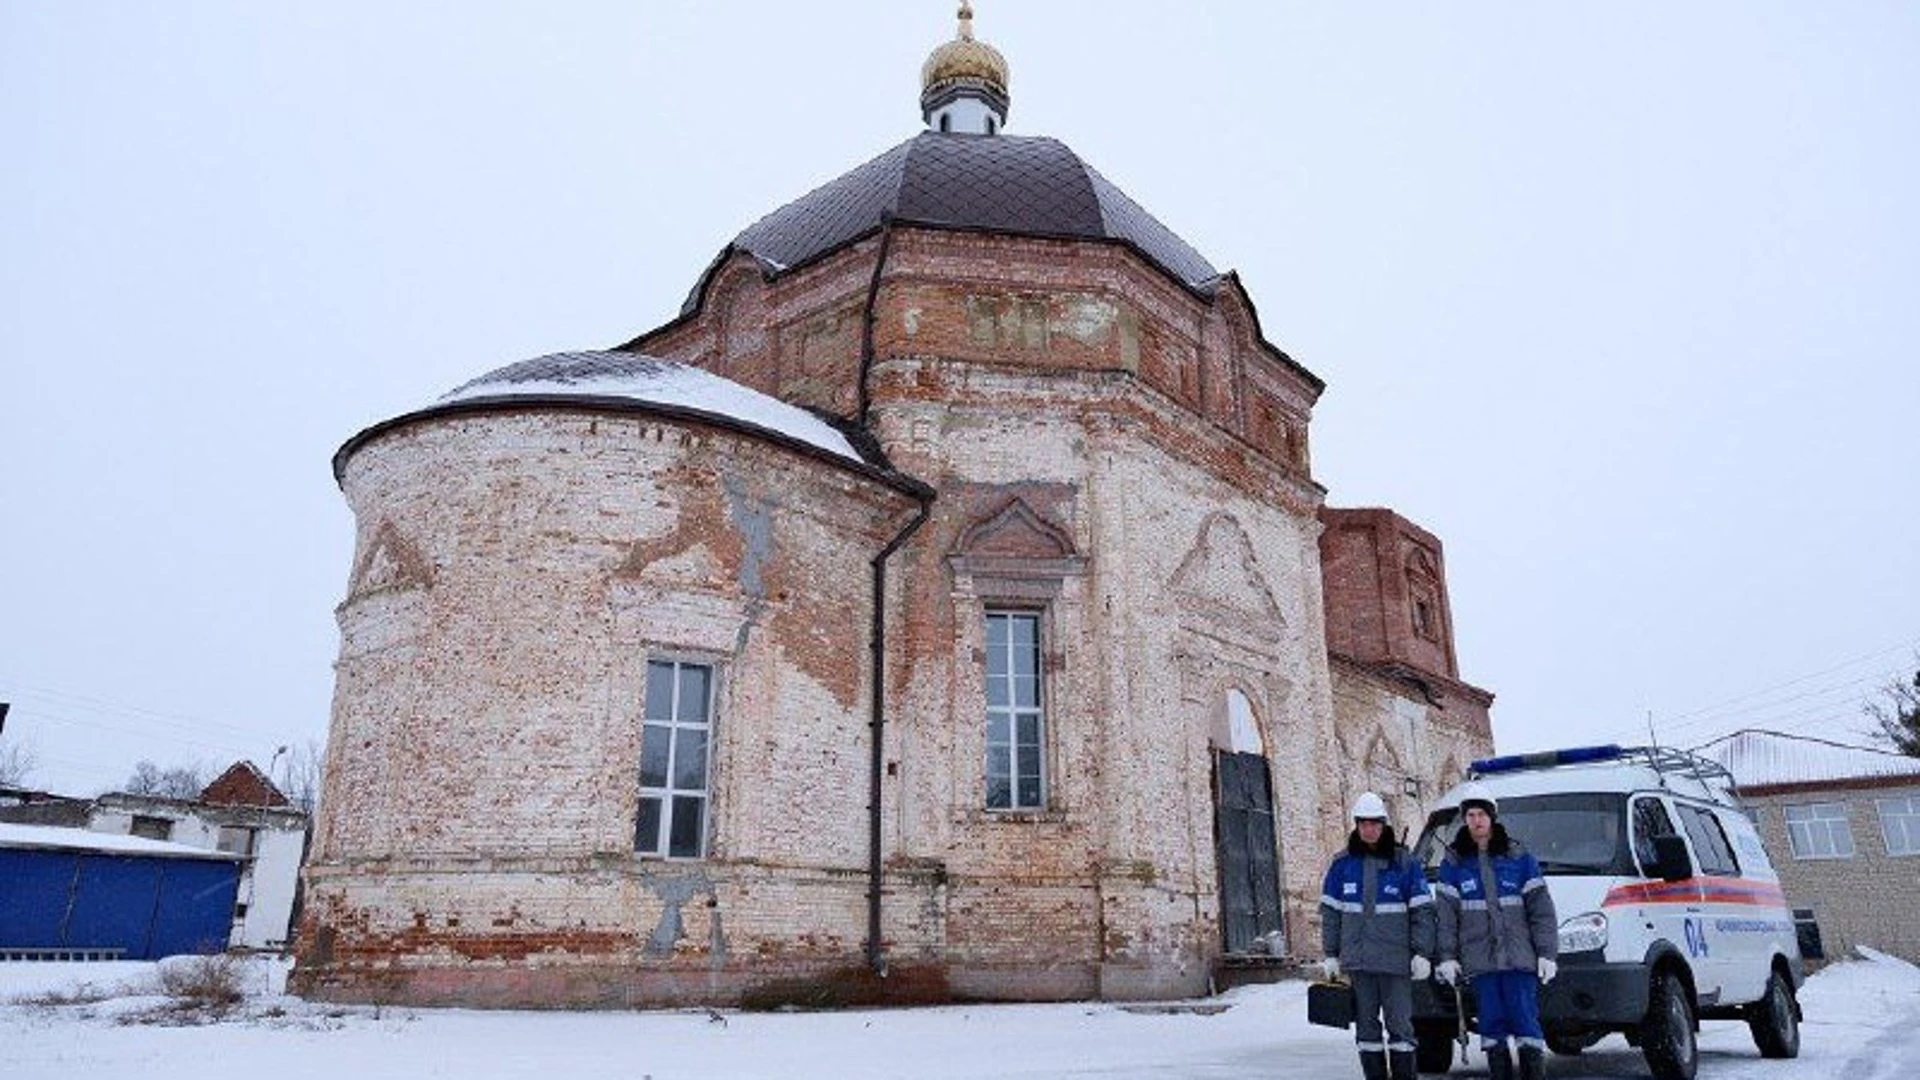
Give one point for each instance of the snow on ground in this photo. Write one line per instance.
(84, 1021)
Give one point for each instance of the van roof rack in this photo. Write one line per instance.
(1664, 760)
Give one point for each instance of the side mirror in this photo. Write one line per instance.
(1670, 859)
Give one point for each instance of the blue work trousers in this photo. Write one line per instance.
(1509, 1004)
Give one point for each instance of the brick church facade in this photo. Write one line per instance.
(942, 607)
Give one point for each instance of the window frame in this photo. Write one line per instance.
(151, 827)
(1014, 712)
(1824, 825)
(668, 796)
(247, 839)
(1910, 822)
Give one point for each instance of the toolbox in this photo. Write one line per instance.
(1330, 1004)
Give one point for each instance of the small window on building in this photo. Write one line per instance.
(236, 841)
(674, 743)
(153, 828)
(946, 122)
(991, 126)
(1016, 719)
(1819, 831)
(1423, 619)
(1710, 847)
(1900, 825)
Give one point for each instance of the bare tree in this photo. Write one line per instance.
(300, 774)
(16, 761)
(178, 782)
(1898, 715)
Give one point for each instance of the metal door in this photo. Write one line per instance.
(1248, 855)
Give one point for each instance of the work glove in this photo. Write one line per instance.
(1548, 969)
(1448, 971)
(1422, 967)
(1330, 968)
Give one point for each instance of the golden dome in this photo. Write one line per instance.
(965, 62)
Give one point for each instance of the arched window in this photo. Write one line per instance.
(1243, 733)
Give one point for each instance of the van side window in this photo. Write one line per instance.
(1649, 820)
(1710, 845)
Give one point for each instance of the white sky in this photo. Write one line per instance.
(1618, 299)
(1862, 1023)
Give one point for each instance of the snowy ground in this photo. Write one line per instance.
(1863, 1023)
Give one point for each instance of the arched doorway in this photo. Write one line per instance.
(1244, 832)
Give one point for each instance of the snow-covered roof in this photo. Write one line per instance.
(1760, 758)
(640, 378)
(70, 839)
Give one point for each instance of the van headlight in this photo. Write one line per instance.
(1584, 933)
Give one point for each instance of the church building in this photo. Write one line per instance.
(941, 607)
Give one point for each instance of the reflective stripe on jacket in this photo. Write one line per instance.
(1494, 909)
(1375, 909)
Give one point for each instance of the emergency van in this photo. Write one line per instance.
(1670, 911)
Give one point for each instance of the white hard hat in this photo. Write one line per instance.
(1474, 792)
(1369, 807)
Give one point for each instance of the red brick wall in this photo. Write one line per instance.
(1381, 570)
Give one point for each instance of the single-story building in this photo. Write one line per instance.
(1842, 826)
(68, 893)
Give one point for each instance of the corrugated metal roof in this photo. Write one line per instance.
(1759, 758)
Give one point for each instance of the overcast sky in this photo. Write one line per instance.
(1619, 299)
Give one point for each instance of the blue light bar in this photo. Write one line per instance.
(1545, 759)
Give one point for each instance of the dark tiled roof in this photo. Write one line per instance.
(566, 367)
(1024, 185)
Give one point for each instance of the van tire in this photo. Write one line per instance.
(1667, 1034)
(1775, 1019)
(1433, 1051)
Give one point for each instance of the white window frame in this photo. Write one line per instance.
(1900, 817)
(1819, 830)
(673, 793)
(1007, 710)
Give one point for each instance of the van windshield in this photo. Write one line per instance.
(1568, 834)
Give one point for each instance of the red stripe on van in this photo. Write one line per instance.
(1699, 890)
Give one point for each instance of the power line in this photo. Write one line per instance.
(1842, 666)
(1797, 738)
(139, 713)
(1769, 698)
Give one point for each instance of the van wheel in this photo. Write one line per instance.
(1666, 1035)
(1433, 1051)
(1775, 1020)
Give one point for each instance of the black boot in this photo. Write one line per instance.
(1499, 1062)
(1373, 1064)
(1533, 1063)
(1400, 1065)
